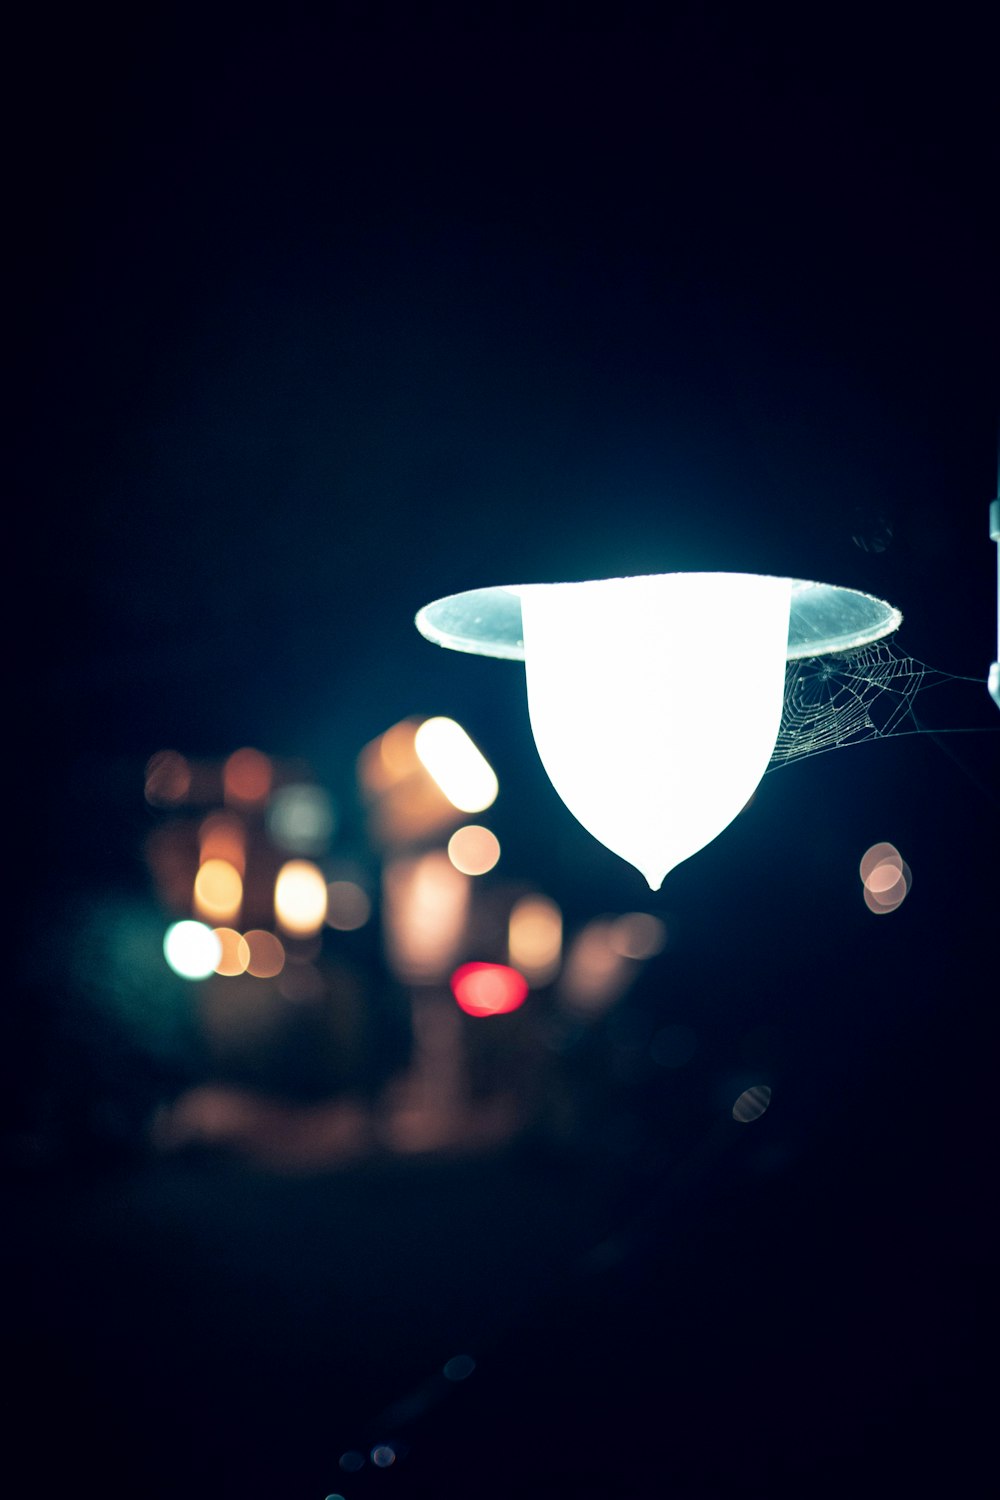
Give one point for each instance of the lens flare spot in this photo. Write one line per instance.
(878, 854)
(473, 849)
(218, 890)
(300, 899)
(752, 1103)
(267, 953)
(168, 779)
(191, 949)
(488, 989)
(452, 760)
(886, 879)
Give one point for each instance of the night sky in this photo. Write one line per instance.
(316, 318)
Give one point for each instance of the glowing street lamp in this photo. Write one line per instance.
(655, 702)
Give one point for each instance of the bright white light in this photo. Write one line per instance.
(449, 756)
(191, 949)
(300, 897)
(655, 703)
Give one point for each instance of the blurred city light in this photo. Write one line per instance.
(247, 777)
(751, 1104)
(235, 954)
(218, 891)
(534, 938)
(168, 779)
(488, 989)
(223, 836)
(460, 770)
(425, 907)
(595, 974)
(191, 949)
(406, 805)
(267, 953)
(300, 818)
(473, 849)
(638, 935)
(347, 905)
(300, 897)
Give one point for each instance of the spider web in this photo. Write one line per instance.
(847, 699)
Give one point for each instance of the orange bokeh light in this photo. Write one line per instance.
(235, 951)
(218, 890)
(247, 777)
(473, 849)
(488, 989)
(267, 953)
(223, 836)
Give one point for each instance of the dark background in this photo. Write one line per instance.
(315, 318)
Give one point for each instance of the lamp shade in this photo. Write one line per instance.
(655, 702)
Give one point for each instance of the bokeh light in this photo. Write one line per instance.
(424, 910)
(383, 1455)
(595, 973)
(168, 779)
(452, 760)
(348, 906)
(459, 1367)
(247, 777)
(223, 835)
(473, 849)
(397, 750)
(752, 1103)
(300, 897)
(218, 891)
(267, 953)
(235, 954)
(300, 818)
(191, 949)
(638, 935)
(534, 938)
(488, 989)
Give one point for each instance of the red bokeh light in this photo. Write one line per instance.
(488, 989)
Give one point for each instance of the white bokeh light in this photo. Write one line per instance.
(191, 949)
